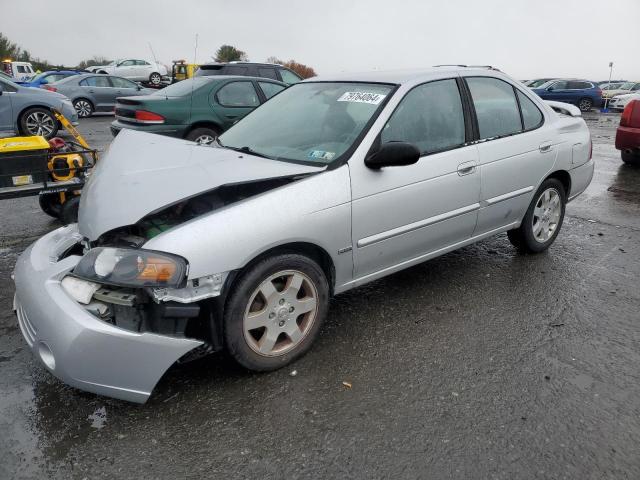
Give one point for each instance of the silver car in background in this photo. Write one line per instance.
(91, 93)
(28, 111)
(183, 249)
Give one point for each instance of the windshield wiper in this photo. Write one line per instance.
(245, 149)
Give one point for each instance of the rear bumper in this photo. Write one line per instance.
(169, 130)
(627, 138)
(78, 348)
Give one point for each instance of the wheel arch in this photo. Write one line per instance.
(203, 124)
(565, 178)
(25, 109)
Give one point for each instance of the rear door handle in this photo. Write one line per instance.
(545, 147)
(466, 168)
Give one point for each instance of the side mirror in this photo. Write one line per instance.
(550, 89)
(393, 154)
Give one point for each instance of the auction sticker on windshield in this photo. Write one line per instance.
(362, 97)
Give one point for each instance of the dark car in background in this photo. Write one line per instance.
(48, 77)
(93, 92)
(585, 94)
(250, 69)
(198, 109)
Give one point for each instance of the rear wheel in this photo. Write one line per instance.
(631, 158)
(84, 107)
(203, 135)
(543, 220)
(155, 79)
(585, 104)
(39, 121)
(275, 311)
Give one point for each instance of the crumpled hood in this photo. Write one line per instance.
(144, 172)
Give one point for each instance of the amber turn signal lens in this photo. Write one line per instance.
(158, 270)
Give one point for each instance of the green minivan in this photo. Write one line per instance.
(198, 109)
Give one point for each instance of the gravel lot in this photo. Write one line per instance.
(480, 364)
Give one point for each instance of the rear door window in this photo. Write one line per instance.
(496, 107)
(238, 94)
(270, 89)
(96, 82)
(430, 117)
(122, 83)
(266, 72)
(576, 85)
(235, 70)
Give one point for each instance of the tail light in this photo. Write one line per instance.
(50, 88)
(143, 116)
(631, 115)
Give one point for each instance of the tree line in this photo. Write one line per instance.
(226, 53)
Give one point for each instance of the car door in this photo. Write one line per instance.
(558, 91)
(123, 88)
(234, 100)
(404, 213)
(7, 123)
(516, 149)
(126, 69)
(98, 89)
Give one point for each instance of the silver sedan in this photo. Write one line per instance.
(184, 249)
(91, 93)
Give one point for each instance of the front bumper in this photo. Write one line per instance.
(78, 348)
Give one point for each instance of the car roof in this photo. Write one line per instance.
(400, 77)
(224, 64)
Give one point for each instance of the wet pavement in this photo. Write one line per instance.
(482, 363)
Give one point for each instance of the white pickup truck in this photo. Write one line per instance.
(20, 71)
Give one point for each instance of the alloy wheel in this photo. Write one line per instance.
(585, 105)
(280, 313)
(155, 79)
(40, 123)
(205, 139)
(546, 215)
(83, 108)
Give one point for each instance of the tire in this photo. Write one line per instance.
(280, 334)
(203, 135)
(84, 107)
(69, 211)
(540, 226)
(50, 204)
(38, 121)
(585, 104)
(630, 158)
(155, 79)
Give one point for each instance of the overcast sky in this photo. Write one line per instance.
(525, 38)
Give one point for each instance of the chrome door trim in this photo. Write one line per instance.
(379, 237)
(507, 196)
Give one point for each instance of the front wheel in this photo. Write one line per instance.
(39, 121)
(585, 104)
(543, 220)
(275, 311)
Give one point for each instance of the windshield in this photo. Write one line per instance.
(308, 122)
(180, 89)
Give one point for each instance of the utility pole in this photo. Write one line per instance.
(606, 100)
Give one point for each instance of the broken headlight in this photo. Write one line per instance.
(127, 267)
